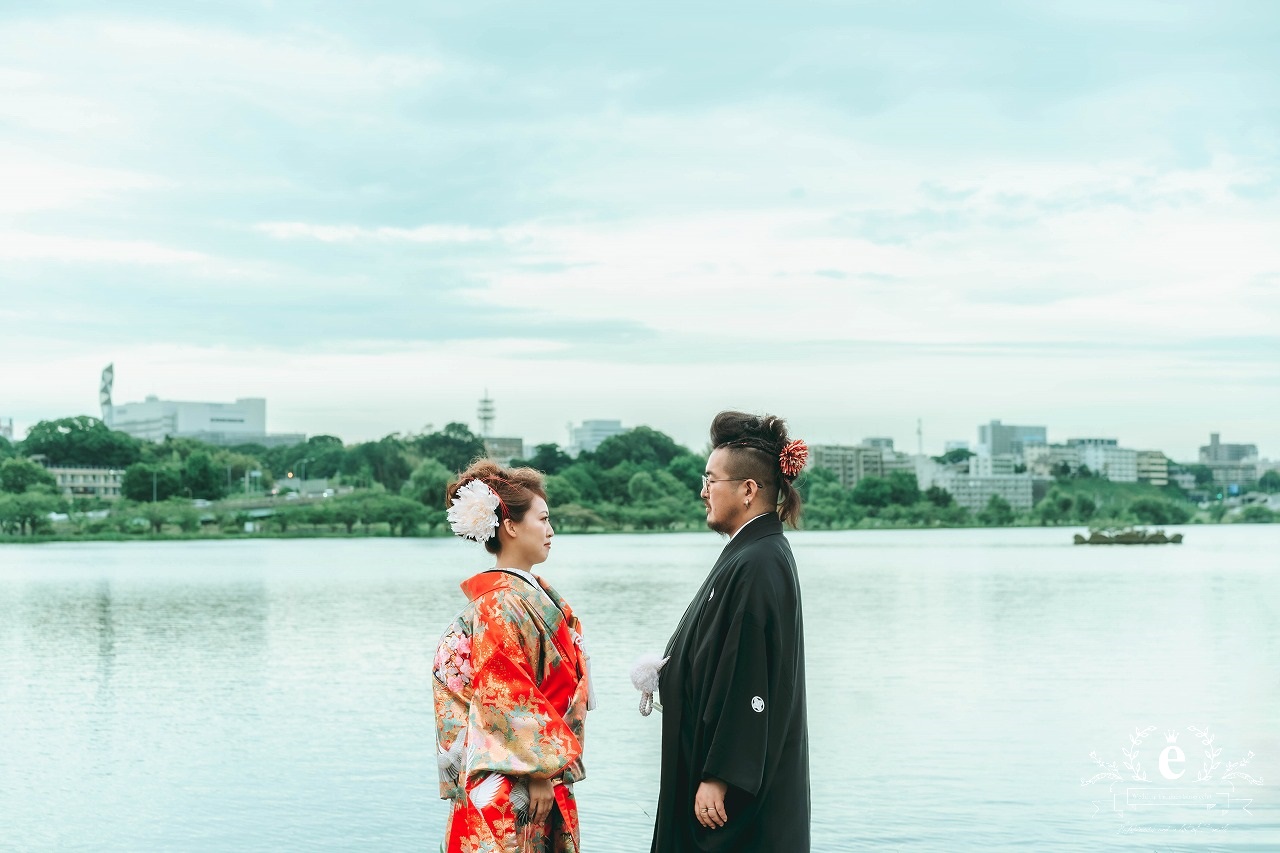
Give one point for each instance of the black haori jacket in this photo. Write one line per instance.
(733, 704)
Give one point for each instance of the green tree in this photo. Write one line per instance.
(641, 446)
(998, 513)
(347, 511)
(428, 485)
(585, 477)
(19, 475)
(561, 492)
(156, 514)
(642, 488)
(874, 492)
(82, 441)
(904, 489)
(938, 496)
(1257, 514)
(401, 515)
(180, 512)
(688, 469)
(144, 480)
(1085, 508)
(6, 449)
(574, 517)
(201, 478)
(547, 458)
(1270, 482)
(453, 447)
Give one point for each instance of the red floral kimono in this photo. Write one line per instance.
(511, 696)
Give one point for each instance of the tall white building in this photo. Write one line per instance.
(973, 491)
(1104, 456)
(154, 419)
(241, 422)
(6, 428)
(588, 435)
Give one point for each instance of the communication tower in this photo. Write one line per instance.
(485, 414)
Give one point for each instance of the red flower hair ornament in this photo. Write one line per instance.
(792, 458)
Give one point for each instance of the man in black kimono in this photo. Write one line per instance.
(735, 743)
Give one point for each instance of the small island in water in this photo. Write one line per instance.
(1128, 536)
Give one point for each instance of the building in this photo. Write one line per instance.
(241, 422)
(878, 441)
(88, 482)
(1184, 479)
(6, 428)
(503, 450)
(589, 435)
(998, 465)
(1153, 468)
(997, 439)
(852, 462)
(1046, 461)
(1104, 456)
(974, 491)
(1216, 452)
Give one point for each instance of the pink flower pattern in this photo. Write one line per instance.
(453, 661)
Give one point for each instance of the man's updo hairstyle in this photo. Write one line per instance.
(515, 487)
(755, 445)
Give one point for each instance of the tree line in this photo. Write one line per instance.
(641, 479)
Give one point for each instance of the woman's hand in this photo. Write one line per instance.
(708, 803)
(541, 800)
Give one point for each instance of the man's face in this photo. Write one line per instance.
(723, 494)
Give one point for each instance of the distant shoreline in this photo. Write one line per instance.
(384, 534)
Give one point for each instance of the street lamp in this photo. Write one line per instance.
(303, 464)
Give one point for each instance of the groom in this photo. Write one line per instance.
(735, 742)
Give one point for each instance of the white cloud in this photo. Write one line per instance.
(22, 246)
(359, 234)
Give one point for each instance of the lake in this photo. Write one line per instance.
(269, 695)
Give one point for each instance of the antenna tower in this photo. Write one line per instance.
(484, 414)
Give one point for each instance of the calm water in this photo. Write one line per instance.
(275, 695)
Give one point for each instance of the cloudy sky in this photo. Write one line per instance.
(1060, 212)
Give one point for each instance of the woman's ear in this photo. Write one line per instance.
(510, 527)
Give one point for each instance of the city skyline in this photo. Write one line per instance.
(1052, 213)
(486, 406)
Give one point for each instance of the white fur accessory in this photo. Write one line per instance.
(474, 512)
(644, 677)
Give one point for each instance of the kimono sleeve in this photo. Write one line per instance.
(740, 709)
(512, 727)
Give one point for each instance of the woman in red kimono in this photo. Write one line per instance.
(511, 683)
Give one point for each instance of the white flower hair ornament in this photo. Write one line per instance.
(474, 514)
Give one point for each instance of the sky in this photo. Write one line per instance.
(855, 215)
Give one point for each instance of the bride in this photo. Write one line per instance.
(511, 683)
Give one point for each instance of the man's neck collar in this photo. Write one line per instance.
(735, 533)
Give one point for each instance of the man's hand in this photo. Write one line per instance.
(708, 803)
(541, 800)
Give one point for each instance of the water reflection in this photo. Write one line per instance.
(276, 695)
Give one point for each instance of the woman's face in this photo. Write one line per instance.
(528, 540)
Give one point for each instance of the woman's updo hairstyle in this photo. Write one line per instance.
(755, 445)
(515, 487)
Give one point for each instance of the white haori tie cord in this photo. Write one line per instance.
(586, 668)
(644, 677)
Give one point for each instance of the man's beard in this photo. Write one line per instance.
(718, 526)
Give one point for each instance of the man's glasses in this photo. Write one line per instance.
(707, 481)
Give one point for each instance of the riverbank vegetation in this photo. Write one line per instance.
(641, 480)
